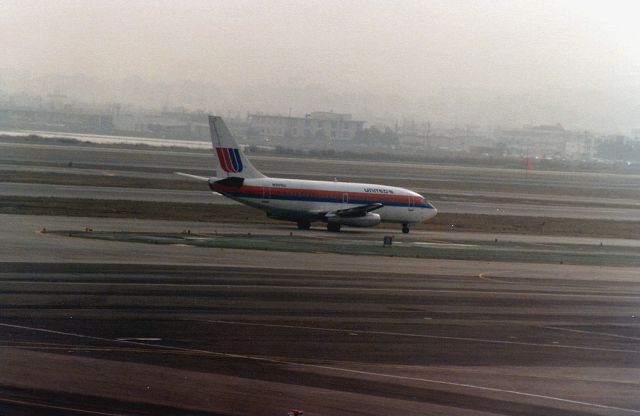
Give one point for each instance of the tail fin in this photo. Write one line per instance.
(230, 161)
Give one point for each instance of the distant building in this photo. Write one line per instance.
(65, 120)
(167, 124)
(581, 146)
(538, 141)
(448, 140)
(316, 125)
(548, 141)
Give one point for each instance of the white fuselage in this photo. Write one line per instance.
(305, 199)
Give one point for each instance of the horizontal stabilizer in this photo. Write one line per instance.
(188, 175)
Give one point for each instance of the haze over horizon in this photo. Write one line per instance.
(486, 62)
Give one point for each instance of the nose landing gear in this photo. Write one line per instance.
(405, 228)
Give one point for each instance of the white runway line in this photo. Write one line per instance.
(523, 293)
(53, 407)
(483, 276)
(404, 334)
(338, 369)
(579, 331)
(138, 339)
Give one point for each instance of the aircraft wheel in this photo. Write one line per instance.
(405, 228)
(331, 226)
(304, 225)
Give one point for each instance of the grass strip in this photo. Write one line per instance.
(497, 224)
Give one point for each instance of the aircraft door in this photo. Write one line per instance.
(345, 198)
(412, 203)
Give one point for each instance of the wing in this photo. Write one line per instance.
(359, 211)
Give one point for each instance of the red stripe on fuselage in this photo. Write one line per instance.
(257, 192)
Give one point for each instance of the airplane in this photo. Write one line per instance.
(306, 201)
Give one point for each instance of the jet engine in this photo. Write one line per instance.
(371, 219)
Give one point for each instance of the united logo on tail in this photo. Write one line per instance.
(230, 159)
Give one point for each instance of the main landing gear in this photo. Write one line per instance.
(405, 228)
(332, 226)
(304, 225)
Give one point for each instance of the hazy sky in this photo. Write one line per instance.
(411, 48)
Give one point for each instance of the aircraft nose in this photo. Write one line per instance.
(432, 212)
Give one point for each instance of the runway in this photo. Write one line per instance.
(206, 338)
(453, 189)
(121, 328)
(111, 328)
(206, 197)
(458, 194)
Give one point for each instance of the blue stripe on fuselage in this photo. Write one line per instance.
(330, 200)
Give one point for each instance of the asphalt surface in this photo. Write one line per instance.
(244, 341)
(117, 328)
(112, 328)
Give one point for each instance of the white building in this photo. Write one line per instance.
(320, 125)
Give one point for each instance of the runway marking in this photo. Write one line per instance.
(483, 277)
(332, 368)
(138, 339)
(102, 349)
(49, 406)
(441, 244)
(337, 289)
(579, 331)
(29, 344)
(473, 386)
(337, 369)
(404, 334)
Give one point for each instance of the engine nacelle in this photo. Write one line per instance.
(370, 220)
